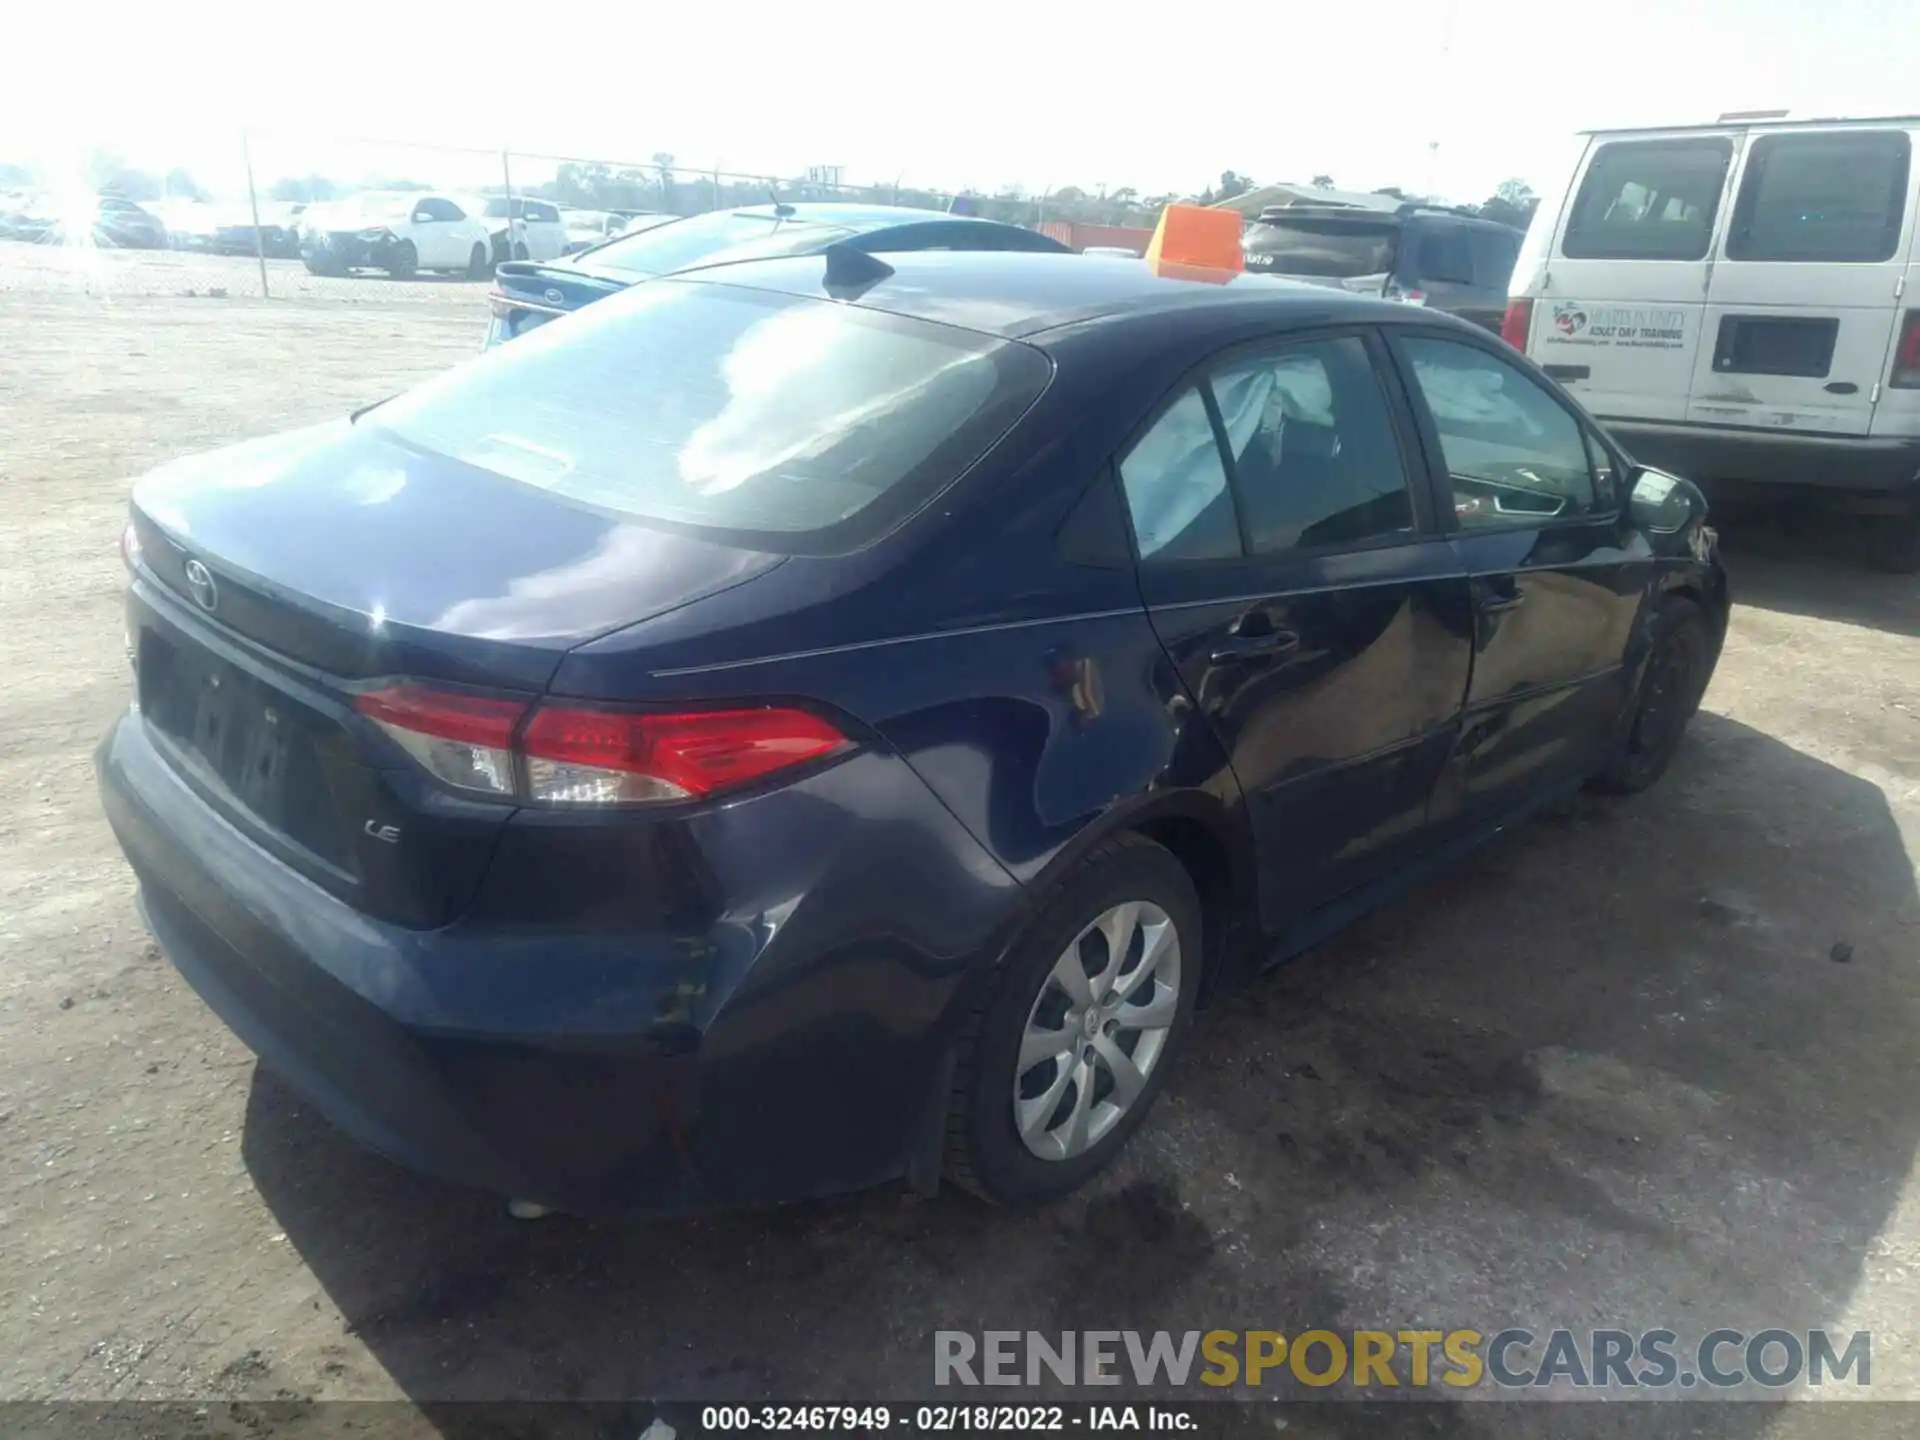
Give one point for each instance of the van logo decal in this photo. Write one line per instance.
(1634, 327)
(1569, 319)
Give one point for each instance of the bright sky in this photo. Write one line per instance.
(1040, 93)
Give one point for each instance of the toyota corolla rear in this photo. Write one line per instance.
(608, 946)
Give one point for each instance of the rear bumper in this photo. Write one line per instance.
(1709, 454)
(795, 1046)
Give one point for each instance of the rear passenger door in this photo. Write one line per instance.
(1557, 573)
(1291, 567)
(1620, 318)
(1436, 262)
(1800, 313)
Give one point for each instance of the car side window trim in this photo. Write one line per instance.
(1607, 504)
(1429, 521)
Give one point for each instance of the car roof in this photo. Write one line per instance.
(857, 217)
(1017, 294)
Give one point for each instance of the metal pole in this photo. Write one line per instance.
(506, 177)
(253, 203)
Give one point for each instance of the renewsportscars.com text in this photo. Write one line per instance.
(1510, 1359)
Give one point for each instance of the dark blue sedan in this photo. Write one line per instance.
(527, 294)
(832, 720)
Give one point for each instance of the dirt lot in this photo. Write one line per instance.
(1651, 1063)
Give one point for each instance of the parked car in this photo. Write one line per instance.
(588, 228)
(101, 220)
(1738, 300)
(537, 231)
(526, 296)
(227, 228)
(397, 231)
(1418, 254)
(834, 718)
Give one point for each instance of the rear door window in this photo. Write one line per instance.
(1649, 200)
(1330, 249)
(1494, 254)
(434, 208)
(1837, 196)
(1441, 255)
(1315, 458)
(794, 425)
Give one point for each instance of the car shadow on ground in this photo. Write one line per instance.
(1647, 1063)
(1794, 557)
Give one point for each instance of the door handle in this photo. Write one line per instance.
(1841, 387)
(1255, 647)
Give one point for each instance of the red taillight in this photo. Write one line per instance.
(574, 756)
(465, 740)
(1906, 354)
(1517, 324)
(602, 756)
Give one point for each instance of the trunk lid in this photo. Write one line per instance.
(277, 579)
(528, 293)
(341, 548)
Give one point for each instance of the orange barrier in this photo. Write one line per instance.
(1196, 242)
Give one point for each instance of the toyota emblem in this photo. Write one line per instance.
(200, 581)
(554, 297)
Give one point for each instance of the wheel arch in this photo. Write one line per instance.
(1211, 838)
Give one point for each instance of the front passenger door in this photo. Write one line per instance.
(1290, 567)
(1557, 573)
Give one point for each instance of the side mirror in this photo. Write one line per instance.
(1664, 504)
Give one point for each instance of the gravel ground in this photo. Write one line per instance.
(1648, 1063)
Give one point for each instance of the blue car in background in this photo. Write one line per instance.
(527, 294)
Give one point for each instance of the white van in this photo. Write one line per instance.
(1738, 302)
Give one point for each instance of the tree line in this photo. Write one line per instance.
(665, 186)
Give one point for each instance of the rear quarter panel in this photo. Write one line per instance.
(1028, 692)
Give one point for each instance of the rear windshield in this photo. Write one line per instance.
(707, 239)
(787, 423)
(1333, 249)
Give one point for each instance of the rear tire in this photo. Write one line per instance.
(405, 262)
(1676, 676)
(1023, 1134)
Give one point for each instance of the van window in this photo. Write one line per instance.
(1648, 200)
(1834, 196)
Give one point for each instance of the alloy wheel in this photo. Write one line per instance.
(1096, 1030)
